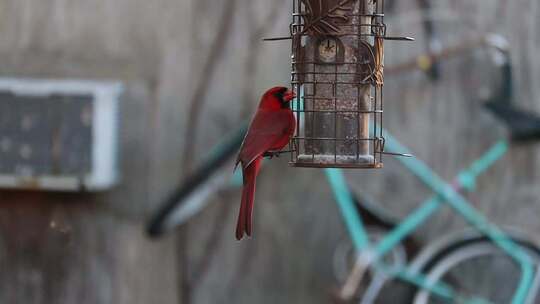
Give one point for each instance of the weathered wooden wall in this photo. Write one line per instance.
(67, 248)
(70, 248)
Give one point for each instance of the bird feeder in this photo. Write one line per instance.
(337, 74)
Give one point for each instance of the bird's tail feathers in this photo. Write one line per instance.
(245, 216)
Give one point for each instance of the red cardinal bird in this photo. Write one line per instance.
(270, 131)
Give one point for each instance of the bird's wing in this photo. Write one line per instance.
(266, 129)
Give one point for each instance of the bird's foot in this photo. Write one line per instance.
(271, 154)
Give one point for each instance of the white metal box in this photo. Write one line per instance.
(59, 135)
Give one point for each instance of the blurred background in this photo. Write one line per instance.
(190, 72)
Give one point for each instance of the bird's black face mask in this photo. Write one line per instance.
(280, 95)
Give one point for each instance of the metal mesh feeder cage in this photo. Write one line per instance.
(337, 73)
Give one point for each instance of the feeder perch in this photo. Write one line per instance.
(337, 74)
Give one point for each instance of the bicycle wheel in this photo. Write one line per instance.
(345, 257)
(475, 267)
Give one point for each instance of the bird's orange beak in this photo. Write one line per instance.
(289, 95)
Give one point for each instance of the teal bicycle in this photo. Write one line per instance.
(484, 265)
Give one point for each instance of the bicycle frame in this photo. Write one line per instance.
(444, 194)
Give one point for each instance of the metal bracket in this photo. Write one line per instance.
(397, 154)
(399, 38)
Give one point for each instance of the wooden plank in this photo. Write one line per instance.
(91, 248)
